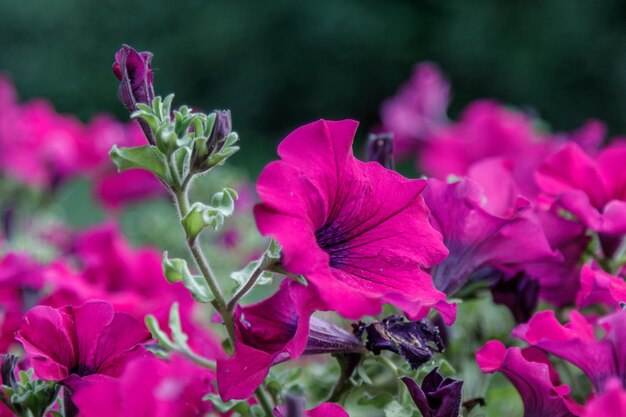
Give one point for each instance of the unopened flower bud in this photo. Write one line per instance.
(380, 149)
(221, 129)
(133, 70)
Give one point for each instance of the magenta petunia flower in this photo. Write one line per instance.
(480, 240)
(149, 388)
(533, 379)
(592, 189)
(357, 231)
(418, 109)
(76, 344)
(576, 342)
(486, 130)
(275, 330)
(322, 410)
(598, 287)
(611, 403)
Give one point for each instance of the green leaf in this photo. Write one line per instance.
(176, 270)
(243, 276)
(153, 326)
(274, 250)
(240, 407)
(178, 335)
(201, 215)
(142, 157)
(379, 401)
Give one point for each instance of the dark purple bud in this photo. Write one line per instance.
(519, 293)
(380, 149)
(221, 129)
(7, 370)
(416, 341)
(294, 406)
(438, 396)
(133, 70)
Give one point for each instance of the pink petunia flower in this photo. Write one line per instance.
(357, 231)
(611, 403)
(478, 238)
(73, 345)
(533, 379)
(592, 189)
(276, 330)
(417, 110)
(576, 342)
(599, 287)
(149, 388)
(487, 130)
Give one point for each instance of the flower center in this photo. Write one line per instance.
(334, 242)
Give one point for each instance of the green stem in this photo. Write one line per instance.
(263, 266)
(182, 203)
(264, 402)
(198, 360)
(389, 365)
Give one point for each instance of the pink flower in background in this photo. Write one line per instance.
(20, 280)
(114, 190)
(592, 189)
(417, 110)
(611, 403)
(487, 129)
(598, 287)
(479, 239)
(149, 388)
(535, 380)
(133, 281)
(357, 231)
(275, 330)
(576, 342)
(84, 343)
(42, 147)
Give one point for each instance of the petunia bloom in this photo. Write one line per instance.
(275, 330)
(438, 396)
(357, 231)
(76, 344)
(611, 403)
(479, 238)
(576, 342)
(592, 189)
(599, 287)
(148, 388)
(534, 380)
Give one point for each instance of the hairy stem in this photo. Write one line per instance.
(263, 266)
(181, 199)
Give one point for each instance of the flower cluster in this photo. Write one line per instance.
(376, 294)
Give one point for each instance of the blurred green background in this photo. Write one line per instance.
(281, 63)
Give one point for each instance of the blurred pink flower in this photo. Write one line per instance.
(357, 231)
(417, 110)
(149, 388)
(592, 189)
(611, 403)
(76, 344)
(487, 129)
(599, 287)
(534, 380)
(576, 342)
